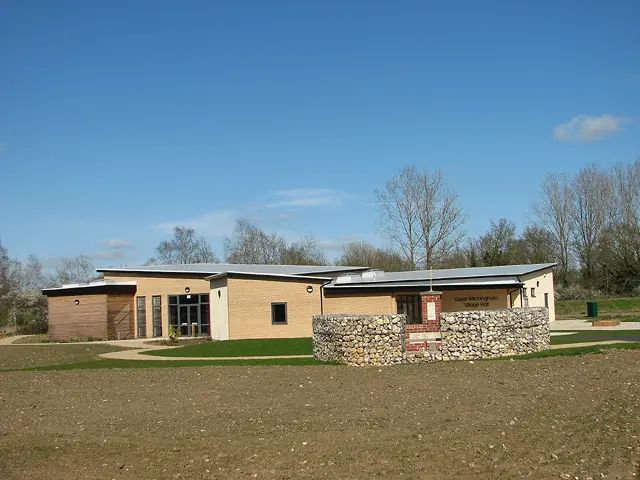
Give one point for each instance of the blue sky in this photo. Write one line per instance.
(121, 119)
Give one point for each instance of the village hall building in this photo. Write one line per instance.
(232, 301)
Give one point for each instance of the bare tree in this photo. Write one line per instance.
(363, 254)
(441, 218)
(303, 252)
(79, 269)
(553, 211)
(593, 212)
(537, 245)
(185, 247)
(250, 244)
(420, 216)
(498, 246)
(618, 253)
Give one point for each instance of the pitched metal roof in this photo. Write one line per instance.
(207, 269)
(231, 273)
(507, 274)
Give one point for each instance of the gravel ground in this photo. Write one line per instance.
(24, 356)
(562, 417)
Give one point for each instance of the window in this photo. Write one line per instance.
(278, 313)
(533, 292)
(546, 300)
(156, 315)
(411, 306)
(524, 292)
(141, 316)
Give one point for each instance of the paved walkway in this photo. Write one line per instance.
(586, 325)
(136, 355)
(135, 347)
(10, 340)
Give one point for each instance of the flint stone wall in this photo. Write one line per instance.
(494, 333)
(359, 339)
(381, 339)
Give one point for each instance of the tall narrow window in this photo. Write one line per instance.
(411, 306)
(141, 316)
(533, 292)
(278, 313)
(156, 313)
(546, 300)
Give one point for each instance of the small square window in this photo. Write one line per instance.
(533, 292)
(278, 313)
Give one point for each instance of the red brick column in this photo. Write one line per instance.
(428, 325)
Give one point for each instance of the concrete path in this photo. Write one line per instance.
(136, 346)
(136, 355)
(10, 340)
(586, 325)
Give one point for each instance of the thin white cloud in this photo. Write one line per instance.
(587, 128)
(218, 223)
(108, 255)
(307, 197)
(115, 243)
(338, 243)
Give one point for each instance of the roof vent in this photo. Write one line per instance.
(343, 279)
(371, 275)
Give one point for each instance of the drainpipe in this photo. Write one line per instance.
(509, 292)
(521, 304)
(321, 295)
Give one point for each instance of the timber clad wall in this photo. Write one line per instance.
(366, 304)
(250, 307)
(87, 319)
(148, 286)
(120, 316)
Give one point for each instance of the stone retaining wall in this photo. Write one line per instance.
(359, 339)
(380, 339)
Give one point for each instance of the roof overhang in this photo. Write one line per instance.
(96, 288)
(421, 286)
(282, 276)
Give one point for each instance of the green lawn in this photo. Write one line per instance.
(596, 336)
(623, 309)
(569, 352)
(242, 348)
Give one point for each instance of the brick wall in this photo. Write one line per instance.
(424, 337)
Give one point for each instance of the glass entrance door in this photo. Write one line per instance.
(187, 312)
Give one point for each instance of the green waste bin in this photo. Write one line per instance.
(592, 309)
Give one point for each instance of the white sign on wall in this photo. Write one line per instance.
(431, 310)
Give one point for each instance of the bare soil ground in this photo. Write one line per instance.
(562, 417)
(25, 356)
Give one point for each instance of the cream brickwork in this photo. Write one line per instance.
(542, 281)
(250, 307)
(148, 286)
(361, 304)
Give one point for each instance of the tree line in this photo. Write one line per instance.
(22, 306)
(589, 223)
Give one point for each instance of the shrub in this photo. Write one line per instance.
(577, 292)
(29, 311)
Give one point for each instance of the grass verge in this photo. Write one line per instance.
(570, 352)
(113, 363)
(595, 336)
(241, 348)
(623, 309)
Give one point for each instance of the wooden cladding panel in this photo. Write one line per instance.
(87, 319)
(120, 316)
